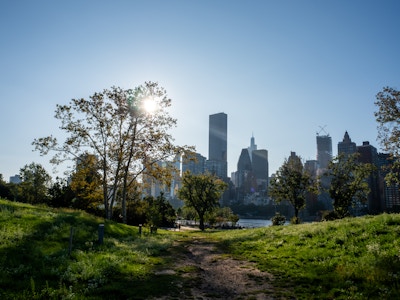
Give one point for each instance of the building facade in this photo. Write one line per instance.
(346, 146)
(324, 150)
(217, 162)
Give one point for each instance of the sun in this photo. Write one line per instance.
(149, 105)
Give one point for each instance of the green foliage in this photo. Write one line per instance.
(291, 183)
(202, 192)
(220, 216)
(86, 183)
(388, 118)
(35, 183)
(278, 219)
(127, 140)
(348, 182)
(5, 189)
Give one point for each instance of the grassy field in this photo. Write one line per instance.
(355, 258)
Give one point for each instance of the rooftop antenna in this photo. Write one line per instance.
(322, 128)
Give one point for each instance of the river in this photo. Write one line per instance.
(253, 223)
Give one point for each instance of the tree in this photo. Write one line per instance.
(291, 183)
(201, 192)
(348, 182)
(128, 132)
(35, 183)
(86, 183)
(388, 118)
(5, 191)
(60, 193)
(160, 212)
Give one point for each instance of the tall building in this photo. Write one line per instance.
(196, 164)
(244, 168)
(252, 147)
(347, 146)
(324, 150)
(251, 177)
(390, 193)
(324, 156)
(15, 179)
(369, 154)
(217, 145)
(260, 169)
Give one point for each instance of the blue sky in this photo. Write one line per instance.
(279, 69)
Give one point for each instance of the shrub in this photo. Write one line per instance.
(278, 219)
(295, 220)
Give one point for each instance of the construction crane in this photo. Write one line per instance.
(322, 128)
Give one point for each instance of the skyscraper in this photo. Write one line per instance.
(324, 156)
(369, 154)
(347, 146)
(324, 150)
(217, 145)
(252, 147)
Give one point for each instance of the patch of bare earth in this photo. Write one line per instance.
(209, 274)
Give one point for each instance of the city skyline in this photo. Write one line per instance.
(278, 69)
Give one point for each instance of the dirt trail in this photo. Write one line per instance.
(209, 274)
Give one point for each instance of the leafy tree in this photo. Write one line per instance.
(202, 192)
(160, 212)
(127, 139)
(388, 118)
(291, 183)
(35, 183)
(5, 191)
(60, 194)
(349, 184)
(86, 183)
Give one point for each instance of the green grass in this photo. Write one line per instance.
(354, 258)
(35, 261)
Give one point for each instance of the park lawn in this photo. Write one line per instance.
(36, 261)
(353, 258)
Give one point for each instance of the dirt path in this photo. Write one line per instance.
(209, 274)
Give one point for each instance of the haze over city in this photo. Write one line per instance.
(280, 70)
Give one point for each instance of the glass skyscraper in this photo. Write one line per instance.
(217, 145)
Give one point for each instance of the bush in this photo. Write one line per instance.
(295, 220)
(278, 219)
(329, 216)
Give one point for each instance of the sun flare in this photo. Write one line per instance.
(149, 105)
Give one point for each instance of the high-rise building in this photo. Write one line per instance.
(389, 192)
(15, 179)
(252, 147)
(217, 145)
(324, 156)
(251, 177)
(195, 163)
(260, 169)
(324, 150)
(369, 154)
(347, 147)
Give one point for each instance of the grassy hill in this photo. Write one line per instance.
(355, 258)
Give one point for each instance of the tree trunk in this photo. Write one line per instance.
(296, 215)
(201, 219)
